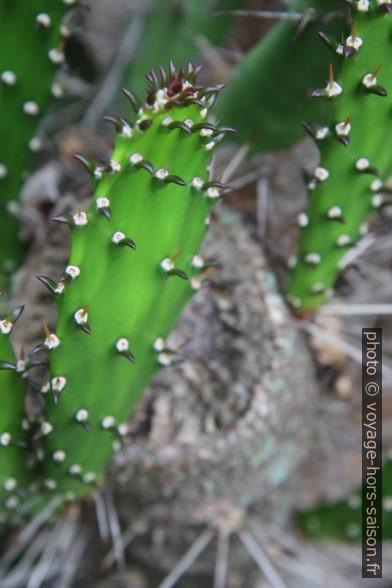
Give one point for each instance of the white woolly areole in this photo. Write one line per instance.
(52, 341)
(45, 388)
(8, 78)
(293, 301)
(58, 383)
(103, 202)
(59, 288)
(20, 366)
(209, 146)
(161, 174)
(5, 439)
(80, 219)
(363, 5)
(195, 283)
(317, 288)
(126, 132)
(322, 133)
(57, 90)
(136, 158)
(82, 415)
(10, 484)
(73, 271)
(31, 108)
(6, 326)
(11, 502)
(198, 183)
(213, 192)
(115, 166)
(343, 129)
(321, 174)
(302, 219)
(108, 422)
(206, 133)
(89, 477)
(335, 212)
(75, 469)
(122, 344)
(343, 240)
(118, 237)
(165, 358)
(98, 172)
(159, 344)
(43, 19)
(167, 265)
(197, 261)
(56, 56)
(362, 163)
(46, 428)
(50, 484)
(369, 80)
(292, 261)
(313, 258)
(189, 122)
(81, 316)
(59, 455)
(376, 185)
(333, 89)
(377, 200)
(35, 144)
(3, 171)
(123, 429)
(354, 42)
(167, 121)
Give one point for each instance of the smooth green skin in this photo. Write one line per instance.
(12, 397)
(266, 98)
(340, 521)
(128, 293)
(24, 50)
(170, 30)
(370, 137)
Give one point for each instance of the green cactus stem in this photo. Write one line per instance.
(355, 146)
(134, 264)
(31, 43)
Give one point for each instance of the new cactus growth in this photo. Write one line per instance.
(355, 153)
(31, 51)
(134, 264)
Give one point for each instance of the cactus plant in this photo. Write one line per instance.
(31, 50)
(355, 154)
(134, 264)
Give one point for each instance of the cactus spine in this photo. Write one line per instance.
(134, 264)
(355, 152)
(32, 49)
